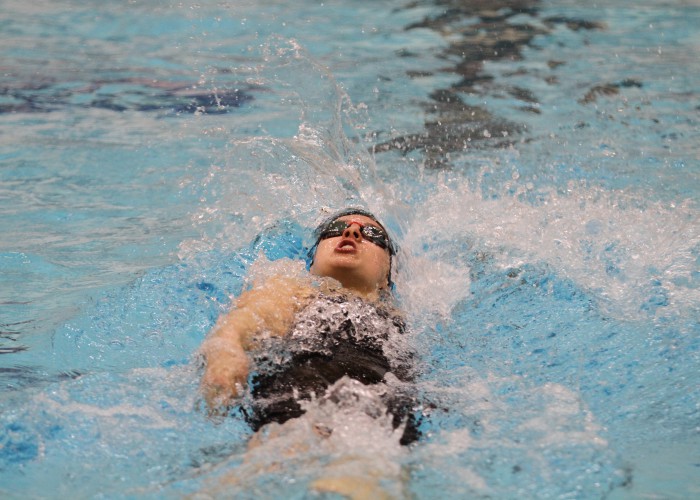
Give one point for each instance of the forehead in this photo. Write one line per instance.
(359, 218)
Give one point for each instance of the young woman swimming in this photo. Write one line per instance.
(304, 338)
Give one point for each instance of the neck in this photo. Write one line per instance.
(369, 293)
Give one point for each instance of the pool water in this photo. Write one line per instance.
(537, 161)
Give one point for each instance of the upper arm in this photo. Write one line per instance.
(270, 308)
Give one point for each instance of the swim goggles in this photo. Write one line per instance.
(373, 234)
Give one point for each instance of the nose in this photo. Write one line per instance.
(353, 231)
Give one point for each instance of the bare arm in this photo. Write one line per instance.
(269, 308)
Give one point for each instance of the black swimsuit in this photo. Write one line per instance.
(334, 336)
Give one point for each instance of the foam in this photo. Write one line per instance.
(624, 250)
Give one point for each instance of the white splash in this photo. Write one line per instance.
(614, 244)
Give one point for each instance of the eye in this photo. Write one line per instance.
(330, 233)
(333, 229)
(374, 232)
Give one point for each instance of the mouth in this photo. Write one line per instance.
(346, 245)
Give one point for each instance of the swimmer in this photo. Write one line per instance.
(333, 331)
(327, 341)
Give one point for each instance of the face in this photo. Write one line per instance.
(353, 260)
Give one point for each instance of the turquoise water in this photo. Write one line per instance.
(537, 160)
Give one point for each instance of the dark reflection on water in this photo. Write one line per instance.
(135, 94)
(480, 31)
(16, 378)
(10, 333)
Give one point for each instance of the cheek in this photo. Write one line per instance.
(321, 255)
(380, 262)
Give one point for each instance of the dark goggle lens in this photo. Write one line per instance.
(371, 233)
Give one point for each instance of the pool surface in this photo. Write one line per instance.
(538, 162)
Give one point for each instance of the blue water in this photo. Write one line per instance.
(538, 163)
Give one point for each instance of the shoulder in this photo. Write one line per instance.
(277, 289)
